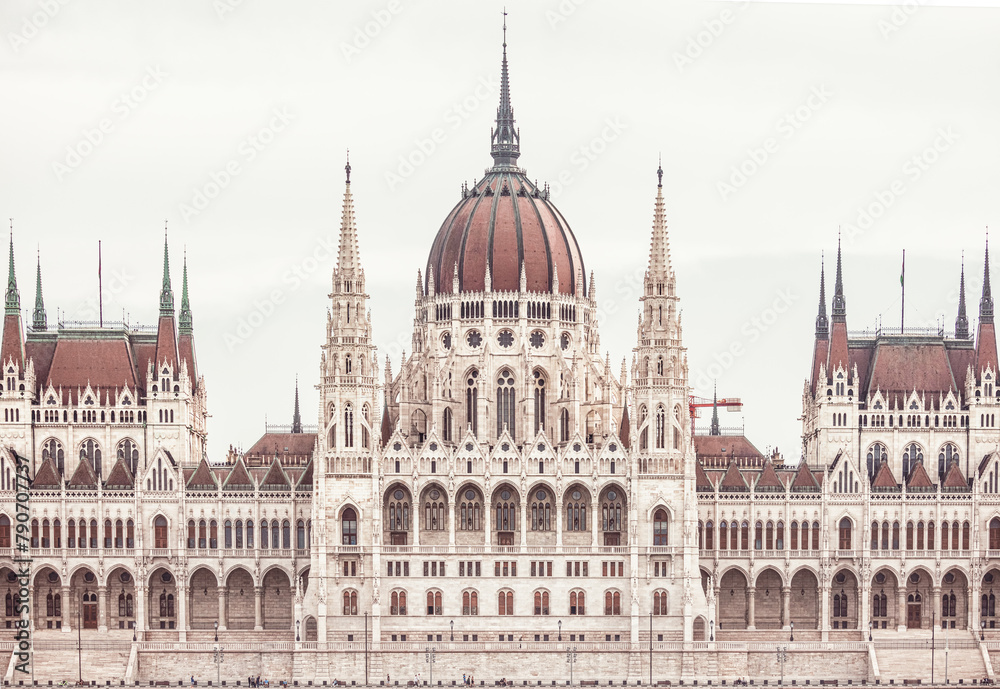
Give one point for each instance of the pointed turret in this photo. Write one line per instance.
(13, 342)
(714, 430)
(39, 321)
(838, 336)
(166, 292)
(166, 335)
(296, 416)
(962, 322)
(348, 255)
(986, 341)
(821, 348)
(504, 138)
(659, 247)
(186, 324)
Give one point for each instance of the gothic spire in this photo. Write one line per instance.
(39, 321)
(505, 139)
(822, 322)
(185, 326)
(166, 292)
(348, 258)
(296, 416)
(985, 303)
(962, 322)
(13, 301)
(839, 304)
(659, 248)
(715, 412)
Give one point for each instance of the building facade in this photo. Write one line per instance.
(506, 494)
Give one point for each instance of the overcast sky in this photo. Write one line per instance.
(777, 123)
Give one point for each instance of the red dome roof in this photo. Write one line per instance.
(503, 222)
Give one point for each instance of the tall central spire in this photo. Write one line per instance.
(822, 323)
(505, 138)
(185, 326)
(166, 291)
(39, 321)
(13, 297)
(986, 302)
(296, 416)
(659, 248)
(839, 304)
(962, 322)
(348, 258)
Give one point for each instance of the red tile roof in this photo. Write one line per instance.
(954, 478)
(239, 477)
(271, 444)
(12, 346)
(919, 478)
(84, 476)
(275, 479)
(838, 348)
(306, 479)
(884, 478)
(203, 478)
(727, 446)
(769, 478)
(901, 368)
(804, 479)
(625, 429)
(701, 479)
(102, 363)
(986, 347)
(166, 343)
(185, 344)
(47, 476)
(120, 476)
(733, 480)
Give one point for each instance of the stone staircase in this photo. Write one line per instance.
(907, 656)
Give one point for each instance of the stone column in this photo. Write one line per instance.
(718, 591)
(751, 605)
(102, 608)
(936, 608)
(786, 606)
(559, 522)
(487, 525)
(69, 614)
(595, 518)
(451, 521)
(524, 520)
(181, 596)
(222, 608)
(140, 608)
(824, 610)
(865, 607)
(258, 592)
(901, 609)
(974, 607)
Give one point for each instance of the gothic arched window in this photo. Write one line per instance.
(505, 403)
(539, 401)
(472, 402)
(661, 428)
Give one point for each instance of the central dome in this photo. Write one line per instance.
(504, 223)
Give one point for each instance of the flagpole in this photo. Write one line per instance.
(902, 284)
(100, 291)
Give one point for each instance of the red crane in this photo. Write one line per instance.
(695, 404)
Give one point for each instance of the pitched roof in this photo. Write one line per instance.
(202, 478)
(768, 478)
(919, 478)
(47, 475)
(954, 478)
(101, 363)
(804, 479)
(275, 479)
(13, 344)
(84, 476)
(238, 478)
(884, 477)
(733, 480)
(701, 479)
(306, 479)
(120, 476)
(725, 446)
(277, 444)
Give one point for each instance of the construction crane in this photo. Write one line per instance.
(695, 404)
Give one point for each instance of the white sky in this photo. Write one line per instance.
(890, 81)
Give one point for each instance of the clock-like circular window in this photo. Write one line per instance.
(505, 339)
(612, 495)
(537, 339)
(446, 340)
(474, 339)
(505, 495)
(576, 495)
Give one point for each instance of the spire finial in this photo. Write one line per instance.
(13, 300)
(822, 323)
(166, 292)
(986, 301)
(296, 416)
(185, 325)
(505, 139)
(659, 173)
(715, 410)
(962, 322)
(839, 303)
(39, 320)
(347, 168)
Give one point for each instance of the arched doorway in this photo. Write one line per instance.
(844, 600)
(162, 600)
(121, 599)
(884, 600)
(203, 595)
(83, 584)
(954, 611)
(767, 600)
(311, 633)
(277, 601)
(918, 599)
(804, 601)
(732, 601)
(240, 591)
(990, 595)
(699, 629)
